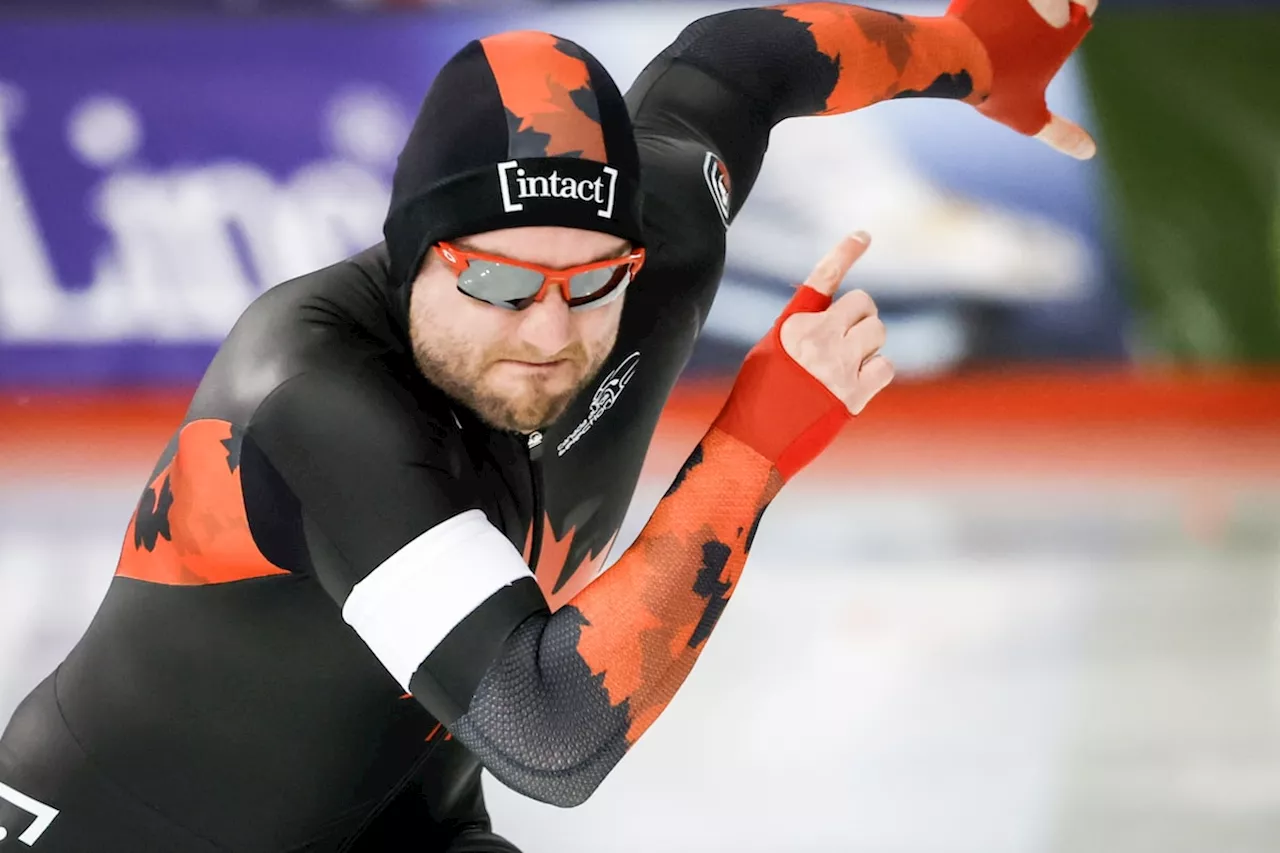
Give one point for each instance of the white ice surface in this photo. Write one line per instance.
(998, 671)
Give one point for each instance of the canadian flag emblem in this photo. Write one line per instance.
(717, 177)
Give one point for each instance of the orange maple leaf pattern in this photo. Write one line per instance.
(190, 527)
(552, 558)
(648, 617)
(881, 55)
(537, 82)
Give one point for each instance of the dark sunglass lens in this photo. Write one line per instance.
(499, 284)
(594, 284)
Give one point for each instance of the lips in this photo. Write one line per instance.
(536, 364)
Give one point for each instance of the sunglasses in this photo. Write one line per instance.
(516, 285)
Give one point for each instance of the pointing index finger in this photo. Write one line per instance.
(831, 270)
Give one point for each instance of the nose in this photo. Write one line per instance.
(547, 325)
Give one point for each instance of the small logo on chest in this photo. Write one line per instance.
(605, 397)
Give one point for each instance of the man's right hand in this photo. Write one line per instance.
(840, 347)
(816, 368)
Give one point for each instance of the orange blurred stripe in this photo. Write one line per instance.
(1024, 423)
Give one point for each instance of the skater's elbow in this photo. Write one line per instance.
(548, 778)
(568, 795)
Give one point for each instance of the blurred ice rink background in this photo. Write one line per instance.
(1078, 657)
(1028, 606)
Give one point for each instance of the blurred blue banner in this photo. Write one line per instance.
(157, 175)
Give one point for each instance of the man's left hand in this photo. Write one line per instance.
(1028, 41)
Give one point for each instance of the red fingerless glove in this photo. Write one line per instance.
(1026, 52)
(776, 407)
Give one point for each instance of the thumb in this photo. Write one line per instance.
(1065, 136)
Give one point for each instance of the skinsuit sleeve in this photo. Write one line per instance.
(729, 78)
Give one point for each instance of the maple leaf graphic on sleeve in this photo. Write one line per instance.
(153, 517)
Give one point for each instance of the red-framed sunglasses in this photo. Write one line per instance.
(516, 285)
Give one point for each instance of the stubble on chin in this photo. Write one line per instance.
(532, 409)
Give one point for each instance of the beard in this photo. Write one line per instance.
(529, 403)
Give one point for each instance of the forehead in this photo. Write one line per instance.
(550, 246)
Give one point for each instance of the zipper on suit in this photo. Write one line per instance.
(535, 479)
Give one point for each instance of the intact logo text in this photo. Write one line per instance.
(519, 186)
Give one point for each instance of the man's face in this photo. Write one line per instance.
(518, 370)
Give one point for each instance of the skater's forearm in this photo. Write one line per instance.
(573, 691)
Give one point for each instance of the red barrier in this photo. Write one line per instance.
(1005, 424)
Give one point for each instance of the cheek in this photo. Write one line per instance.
(448, 319)
(598, 329)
